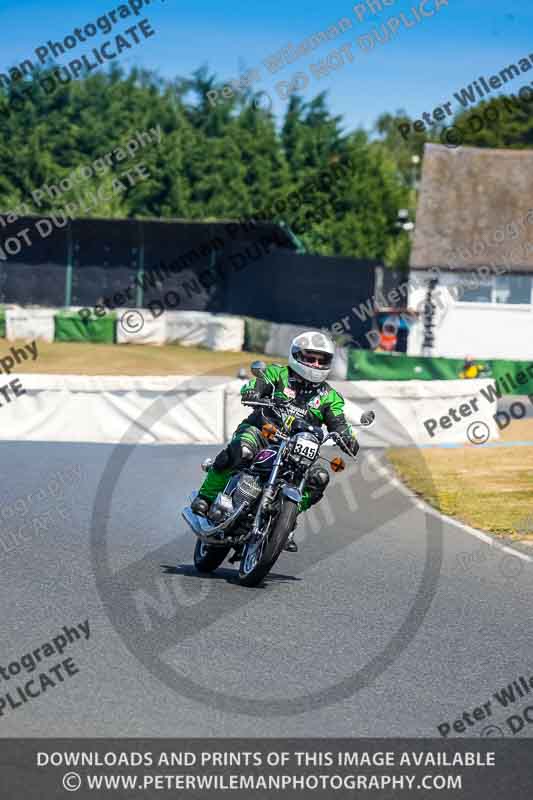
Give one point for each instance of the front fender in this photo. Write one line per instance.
(291, 493)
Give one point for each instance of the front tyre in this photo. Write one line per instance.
(257, 562)
(207, 557)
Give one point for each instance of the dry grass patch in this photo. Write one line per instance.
(488, 488)
(80, 358)
(519, 430)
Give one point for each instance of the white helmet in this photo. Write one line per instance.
(311, 356)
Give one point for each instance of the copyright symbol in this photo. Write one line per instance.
(132, 321)
(452, 136)
(478, 432)
(85, 314)
(511, 567)
(492, 730)
(262, 101)
(71, 781)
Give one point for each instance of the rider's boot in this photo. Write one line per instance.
(200, 505)
(290, 544)
(309, 498)
(215, 481)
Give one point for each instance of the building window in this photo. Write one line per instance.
(512, 289)
(504, 289)
(479, 291)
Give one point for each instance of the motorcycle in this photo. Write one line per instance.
(257, 510)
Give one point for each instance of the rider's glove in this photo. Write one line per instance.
(352, 444)
(349, 441)
(250, 395)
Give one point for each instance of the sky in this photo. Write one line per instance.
(416, 70)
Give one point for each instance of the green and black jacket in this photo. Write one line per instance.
(317, 403)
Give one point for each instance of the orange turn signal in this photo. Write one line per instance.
(269, 430)
(337, 464)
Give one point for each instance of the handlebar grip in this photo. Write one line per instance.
(343, 446)
(265, 404)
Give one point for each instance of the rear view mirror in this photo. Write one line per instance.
(368, 419)
(257, 368)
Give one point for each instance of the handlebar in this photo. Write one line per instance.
(337, 438)
(278, 404)
(266, 403)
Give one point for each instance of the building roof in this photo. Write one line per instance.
(475, 209)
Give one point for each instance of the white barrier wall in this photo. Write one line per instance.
(139, 326)
(30, 323)
(189, 328)
(74, 408)
(225, 333)
(206, 410)
(402, 408)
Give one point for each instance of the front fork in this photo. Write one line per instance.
(269, 493)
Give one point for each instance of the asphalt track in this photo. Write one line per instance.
(346, 605)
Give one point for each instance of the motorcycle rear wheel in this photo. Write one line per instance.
(207, 558)
(253, 568)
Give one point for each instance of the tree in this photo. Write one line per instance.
(402, 147)
(216, 160)
(500, 122)
(367, 203)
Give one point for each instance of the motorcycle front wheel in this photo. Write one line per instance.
(258, 559)
(208, 557)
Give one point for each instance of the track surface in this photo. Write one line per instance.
(324, 614)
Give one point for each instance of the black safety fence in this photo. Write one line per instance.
(226, 267)
(51, 261)
(306, 290)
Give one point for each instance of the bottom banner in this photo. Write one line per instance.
(261, 768)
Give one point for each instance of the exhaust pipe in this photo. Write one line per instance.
(204, 529)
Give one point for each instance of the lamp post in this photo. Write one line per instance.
(415, 161)
(403, 222)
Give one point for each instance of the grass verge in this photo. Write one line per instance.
(487, 488)
(83, 358)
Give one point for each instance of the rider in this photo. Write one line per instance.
(303, 383)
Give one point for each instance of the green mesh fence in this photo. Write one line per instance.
(511, 377)
(256, 334)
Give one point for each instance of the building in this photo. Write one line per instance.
(471, 269)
